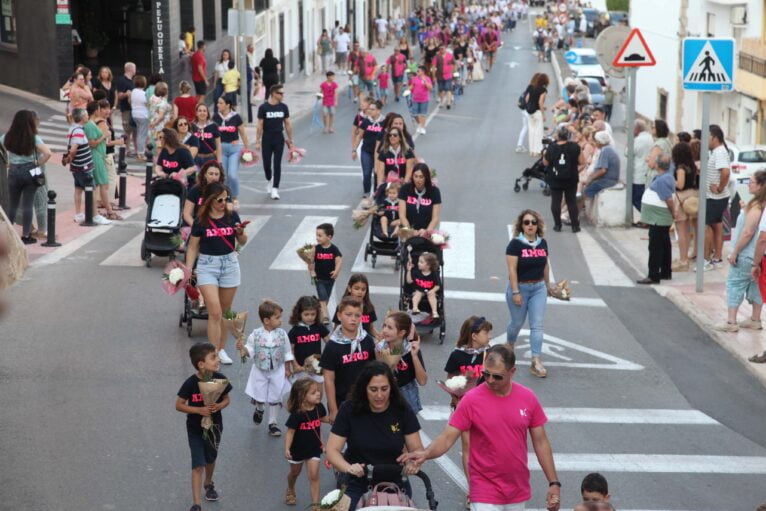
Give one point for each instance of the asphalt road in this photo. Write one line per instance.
(93, 355)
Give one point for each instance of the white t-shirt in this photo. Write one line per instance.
(138, 105)
(221, 68)
(718, 159)
(382, 25)
(341, 42)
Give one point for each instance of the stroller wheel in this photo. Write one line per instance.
(374, 260)
(525, 186)
(181, 321)
(366, 252)
(516, 188)
(442, 331)
(189, 327)
(172, 256)
(547, 191)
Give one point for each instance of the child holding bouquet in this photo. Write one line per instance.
(190, 400)
(359, 287)
(409, 368)
(307, 332)
(426, 280)
(269, 347)
(303, 440)
(326, 266)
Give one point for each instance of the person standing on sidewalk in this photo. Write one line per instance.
(273, 122)
(563, 159)
(199, 72)
(324, 45)
(657, 211)
(718, 171)
(98, 137)
(124, 86)
(642, 146)
(219, 70)
(687, 201)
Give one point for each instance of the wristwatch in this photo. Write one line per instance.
(554, 483)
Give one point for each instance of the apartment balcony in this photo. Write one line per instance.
(750, 78)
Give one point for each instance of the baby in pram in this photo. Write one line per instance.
(388, 210)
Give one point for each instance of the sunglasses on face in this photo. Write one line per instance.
(180, 124)
(221, 200)
(491, 376)
(281, 93)
(530, 222)
(391, 135)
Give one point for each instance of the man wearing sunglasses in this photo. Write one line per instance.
(498, 414)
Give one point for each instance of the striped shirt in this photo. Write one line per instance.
(718, 159)
(83, 158)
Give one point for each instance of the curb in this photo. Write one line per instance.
(685, 305)
(30, 96)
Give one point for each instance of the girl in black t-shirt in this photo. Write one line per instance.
(359, 287)
(207, 135)
(273, 122)
(426, 280)
(410, 371)
(394, 158)
(174, 158)
(233, 141)
(370, 132)
(303, 440)
(214, 236)
(211, 172)
(308, 332)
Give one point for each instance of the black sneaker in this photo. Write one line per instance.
(195, 507)
(576, 228)
(274, 430)
(258, 416)
(557, 228)
(210, 493)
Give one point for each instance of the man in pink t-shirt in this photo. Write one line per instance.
(329, 89)
(498, 414)
(397, 63)
(420, 87)
(444, 62)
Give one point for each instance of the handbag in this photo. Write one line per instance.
(37, 173)
(386, 494)
(689, 205)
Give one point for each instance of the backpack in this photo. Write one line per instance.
(386, 494)
(522, 101)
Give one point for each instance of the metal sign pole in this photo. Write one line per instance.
(700, 264)
(631, 152)
(244, 98)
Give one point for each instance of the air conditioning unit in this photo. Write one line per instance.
(739, 15)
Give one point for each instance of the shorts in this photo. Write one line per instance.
(397, 79)
(419, 108)
(340, 57)
(200, 88)
(715, 209)
(328, 110)
(478, 506)
(82, 179)
(218, 270)
(202, 451)
(299, 462)
(324, 289)
(267, 386)
(445, 85)
(355, 80)
(126, 126)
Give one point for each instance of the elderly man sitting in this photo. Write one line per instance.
(607, 168)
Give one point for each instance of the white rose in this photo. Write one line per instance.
(406, 93)
(438, 239)
(320, 95)
(331, 498)
(456, 382)
(247, 157)
(315, 366)
(456, 74)
(175, 276)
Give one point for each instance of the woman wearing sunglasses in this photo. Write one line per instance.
(395, 156)
(528, 287)
(214, 236)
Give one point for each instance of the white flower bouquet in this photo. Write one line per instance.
(295, 154)
(211, 390)
(307, 253)
(360, 216)
(249, 158)
(438, 238)
(336, 500)
(457, 385)
(175, 276)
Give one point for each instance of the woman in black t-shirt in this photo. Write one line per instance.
(211, 173)
(370, 132)
(273, 122)
(375, 425)
(183, 126)
(394, 156)
(214, 237)
(174, 158)
(207, 135)
(528, 286)
(420, 201)
(233, 141)
(394, 120)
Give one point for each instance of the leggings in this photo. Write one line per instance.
(570, 194)
(273, 144)
(21, 188)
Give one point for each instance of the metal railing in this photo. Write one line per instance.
(752, 64)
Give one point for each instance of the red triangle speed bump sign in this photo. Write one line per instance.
(634, 52)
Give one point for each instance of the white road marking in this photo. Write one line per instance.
(127, 255)
(555, 348)
(654, 463)
(304, 233)
(318, 166)
(384, 264)
(256, 224)
(460, 258)
(602, 269)
(550, 263)
(304, 185)
(600, 415)
(448, 466)
(491, 297)
(341, 174)
(281, 205)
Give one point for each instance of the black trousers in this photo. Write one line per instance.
(570, 195)
(660, 252)
(273, 145)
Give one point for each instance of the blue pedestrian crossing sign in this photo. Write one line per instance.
(708, 64)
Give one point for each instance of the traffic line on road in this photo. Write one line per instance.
(600, 415)
(654, 463)
(320, 166)
(460, 257)
(304, 233)
(282, 205)
(127, 255)
(256, 224)
(491, 297)
(449, 467)
(603, 270)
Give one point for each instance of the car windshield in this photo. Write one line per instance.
(587, 60)
(595, 87)
(590, 15)
(756, 156)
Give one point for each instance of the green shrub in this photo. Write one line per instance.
(618, 5)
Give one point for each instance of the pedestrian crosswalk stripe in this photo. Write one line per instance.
(256, 224)
(304, 233)
(282, 205)
(600, 415)
(127, 255)
(460, 257)
(654, 463)
(384, 264)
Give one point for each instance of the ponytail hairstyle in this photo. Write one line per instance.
(472, 325)
(367, 306)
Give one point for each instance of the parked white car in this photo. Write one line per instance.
(584, 63)
(744, 162)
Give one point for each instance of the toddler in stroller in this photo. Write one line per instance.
(388, 211)
(420, 280)
(425, 279)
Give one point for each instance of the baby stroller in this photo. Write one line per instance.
(191, 311)
(410, 251)
(389, 495)
(379, 243)
(164, 219)
(536, 171)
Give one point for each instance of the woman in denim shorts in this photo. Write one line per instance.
(214, 235)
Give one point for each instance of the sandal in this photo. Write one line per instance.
(290, 499)
(114, 216)
(758, 359)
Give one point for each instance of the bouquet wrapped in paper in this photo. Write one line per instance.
(406, 233)
(295, 154)
(561, 291)
(175, 276)
(307, 253)
(249, 158)
(389, 355)
(457, 386)
(438, 238)
(211, 390)
(234, 322)
(336, 500)
(360, 216)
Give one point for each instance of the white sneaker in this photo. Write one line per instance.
(79, 218)
(275, 193)
(269, 187)
(100, 220)
(521, 149)
(423, 131)
(225, 359)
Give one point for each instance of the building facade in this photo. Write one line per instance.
(742, 112)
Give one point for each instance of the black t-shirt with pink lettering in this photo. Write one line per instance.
(424, 283)
(190, 393)
(324, 261)
(206, 137)
(228, 127)
(405, 370)
(532, 260)
(180, 159)
(369, 317)
(419, 207)
(373, 132)
(307, 340)
(307, 440)
(460, 362)
(216, 237)
(347, 366)
(395, 162)
(194, 195)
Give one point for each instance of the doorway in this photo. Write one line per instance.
(282, 47)
(302, 40)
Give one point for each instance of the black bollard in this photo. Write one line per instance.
(122, 171)
(89, 205)
(51, 241)
(149, 171)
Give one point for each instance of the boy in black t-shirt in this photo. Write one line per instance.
(326, 267)
(204, 450)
